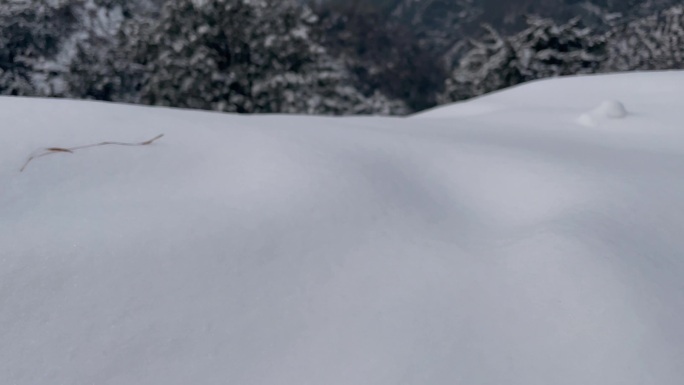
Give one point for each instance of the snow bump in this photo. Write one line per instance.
(608, 109)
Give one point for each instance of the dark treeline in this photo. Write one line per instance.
(322, 57)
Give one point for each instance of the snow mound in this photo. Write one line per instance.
(608, 109)
(498, 243)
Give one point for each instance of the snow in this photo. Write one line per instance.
(608, 109)
(611, 109)
(494, 241)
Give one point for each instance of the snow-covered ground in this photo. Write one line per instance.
(531, 237)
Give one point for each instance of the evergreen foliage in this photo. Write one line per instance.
(382, 55)
(490, 65)
(101, 65)
(31, 36)
(652, 43)
(542, 50)
(245, 56)
(344, 57)
(545, 49)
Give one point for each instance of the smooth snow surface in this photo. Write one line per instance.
(490, 242)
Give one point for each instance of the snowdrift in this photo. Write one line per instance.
(496, 241)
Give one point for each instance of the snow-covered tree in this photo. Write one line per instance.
(292, 71)
(542, 50)
(652, 43)
(244, 56)
(545, 49)
(490, 65)
(383, 55)
(31, 36)
(73, 48)
(101, 61)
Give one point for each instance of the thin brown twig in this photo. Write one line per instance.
(71, 150)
